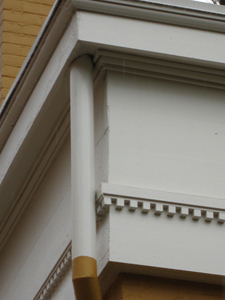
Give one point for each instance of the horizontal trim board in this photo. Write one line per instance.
(169, 70)
(170, 209)
(183, 13)
(161, 201)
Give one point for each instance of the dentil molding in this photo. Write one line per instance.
(160, 202)
(55, 275)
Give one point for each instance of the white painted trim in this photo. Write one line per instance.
(39, 170)
(56, 275)
(160, 201)
(159, 68)
(170, 42)
(178, 12)
(36, 123)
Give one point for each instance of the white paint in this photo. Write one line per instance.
(65, 289)
(166, 136)
(151, 134)
(82, 159)
(174, 42)
(183, 13)
(31, 115)
(41, 236)
(102, 245)
(39, 96)
(149, 240)
(58, 272)
(109, 191)
(101, 133)
(158, 202)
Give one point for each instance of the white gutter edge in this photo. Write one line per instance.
(178, 12)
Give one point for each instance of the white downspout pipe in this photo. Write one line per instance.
(83, 180)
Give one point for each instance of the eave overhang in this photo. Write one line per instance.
(177, 12)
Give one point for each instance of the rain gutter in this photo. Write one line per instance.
(185, 13)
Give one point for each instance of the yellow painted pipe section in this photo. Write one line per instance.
(85, 279)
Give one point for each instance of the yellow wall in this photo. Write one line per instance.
(21, 21)
(137, 287)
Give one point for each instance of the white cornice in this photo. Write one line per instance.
(178, 12)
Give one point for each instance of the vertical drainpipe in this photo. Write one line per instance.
(84, 264)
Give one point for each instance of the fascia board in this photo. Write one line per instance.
(177, 12)
(152, 39)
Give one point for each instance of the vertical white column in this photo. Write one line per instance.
(82, 157)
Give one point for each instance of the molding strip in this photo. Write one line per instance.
(191, 73)
(159, 202)
(56, 275)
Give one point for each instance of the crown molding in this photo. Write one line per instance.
(160, 202)
(177, 12)
(159, 68)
